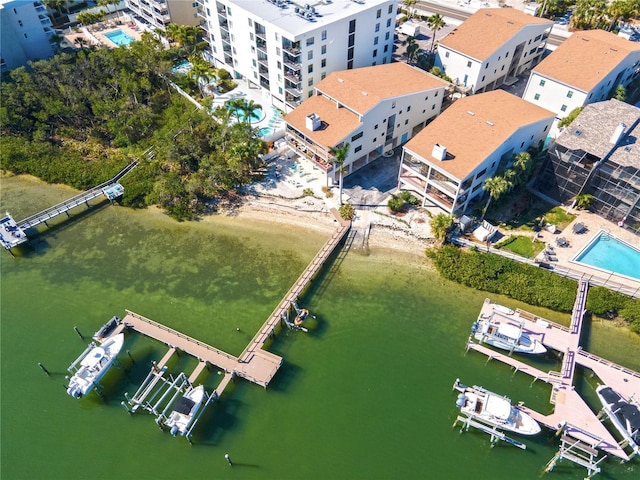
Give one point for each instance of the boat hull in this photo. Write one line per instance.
(181, 418)
(624, 415)
(94, 365)
(495, 410)
(505, 335)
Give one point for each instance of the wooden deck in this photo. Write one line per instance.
(569, 407)
(254, 364)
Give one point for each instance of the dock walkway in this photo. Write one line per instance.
(569, 406)
(254, 364)
(15, 235)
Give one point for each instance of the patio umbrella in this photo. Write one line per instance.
(578, 228)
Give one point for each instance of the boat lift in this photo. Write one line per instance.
(491, 429)
(576, 450)
(163, 417)
(73, 368)
(301, 315)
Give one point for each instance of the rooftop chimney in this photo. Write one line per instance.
(439, 152)
(312, 122)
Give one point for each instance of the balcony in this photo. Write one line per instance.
(292, 77)
(261, 45)
(263, 70)
(294, 92)
(292, 49)
(264, 83)
(261, 34)
(309, 150)
(438, 197)
(294, 67)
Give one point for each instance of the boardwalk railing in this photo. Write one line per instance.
(609, 364)
(84, 197)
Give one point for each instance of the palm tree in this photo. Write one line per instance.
(236, 107)
(201, 72)
(435, 22)
(440, 225)
(408, 4)
(340, 154)
(496, 186)
(249, 108)
(412, 49)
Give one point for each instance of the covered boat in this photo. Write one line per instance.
(494, 409)
(624, 415)
(185, 410)
(94, 365)
(504, 334)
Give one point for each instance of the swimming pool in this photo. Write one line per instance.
(606, 252)
(182, 67)
(265, 131)
(120, 38)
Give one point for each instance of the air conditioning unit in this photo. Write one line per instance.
(313, 122)
(439, 152)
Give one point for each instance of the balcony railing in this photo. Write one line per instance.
(295, 67)
(311, 151)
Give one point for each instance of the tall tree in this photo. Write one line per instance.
(409, 4)
(435, 22)
(340, 154)
(412, 49)
(495, 186)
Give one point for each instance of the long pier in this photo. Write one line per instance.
(254, 364)
(13, 233)
(569, 407)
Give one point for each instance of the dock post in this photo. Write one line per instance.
(78, 332)
(228, 459)
(44, 369)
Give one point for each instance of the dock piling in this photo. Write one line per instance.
(44, 369)
(228, 459)
(78, 332)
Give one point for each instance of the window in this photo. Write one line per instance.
(323, 35)
(375, 41)
(389, 11)
(309, 94)
(323, 63)
(393, 104)
(310, 82)
(310, 68)
(310, 41)
(357, 136)
(279, 65)
(357, 149)
(349, 64)
(280, 90)
(375, 127)
(375, 139)
(324, 74)
(486, 66)
(352, 40)
(482, 78)
(406, 121)
(323, 49)
(542, 82)
(251, 36)
(352, 26)
(446, 54)
(278, 51)
(378, 13)
(254, 62)
(506, 55)
(537, 38)
(502, 69)
(375, 53)
(388, 22)
(20, 23)
(310, 55)
(350, 54)
(569, 94)
(469, 64)
(536, 96)
(386, 36)
(377, 27)
(433, 107)
(563, 108)
(481, 173)
(250, 23)
(408, 108)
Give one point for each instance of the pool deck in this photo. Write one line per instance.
(98, 31)
(577, 242)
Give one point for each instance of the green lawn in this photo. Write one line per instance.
(523, 246)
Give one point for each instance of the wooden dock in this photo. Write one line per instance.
(569, 407)
(254, 364)
(110, 189)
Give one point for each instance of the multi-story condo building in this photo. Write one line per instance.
(598, 154)
(585, 69)
(159, 13)
(286, 47)
(373, 109)
(25, 33)
(492, 46)
(447, 163)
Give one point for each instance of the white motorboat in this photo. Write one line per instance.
(185, 410)
(624, 415)
(504, 334)
(493, 409)
(94, 365)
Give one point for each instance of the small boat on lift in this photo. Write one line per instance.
(184, 411)
(624, 415)
(502, 334)
(493, 409)
(93, 365)
(107, 329)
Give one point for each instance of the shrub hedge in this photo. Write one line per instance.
(529, 284)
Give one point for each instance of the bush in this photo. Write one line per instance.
(408, 197)
(395, 203)
(631, 313)
(603, 302)
(327, 191)
(347, 211)
(307, 192)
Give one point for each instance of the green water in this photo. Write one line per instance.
(365, 394)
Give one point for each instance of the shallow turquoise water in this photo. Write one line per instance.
(366, 394)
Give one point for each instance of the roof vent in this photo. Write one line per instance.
(312, 122)
(365, 94)
(470, 112)
(617, 134)
(341, 80)
(439, 152)
(489, 123)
